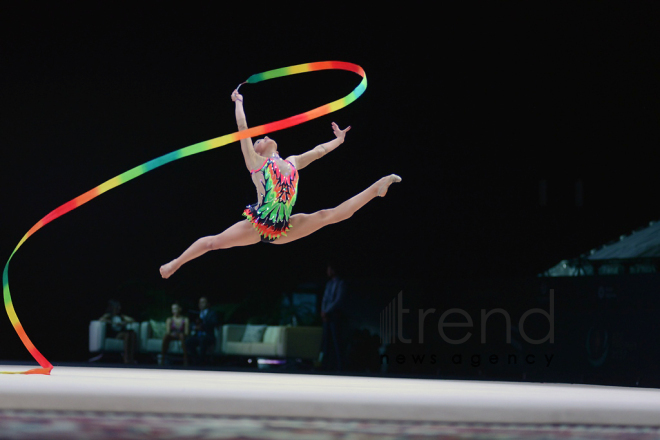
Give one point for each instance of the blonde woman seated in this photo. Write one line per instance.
(177, 328)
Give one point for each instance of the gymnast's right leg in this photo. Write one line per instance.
(240, 234)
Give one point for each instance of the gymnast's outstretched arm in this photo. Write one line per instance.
(252, 159)
(301, 161)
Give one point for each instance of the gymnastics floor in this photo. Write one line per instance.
(240, 398)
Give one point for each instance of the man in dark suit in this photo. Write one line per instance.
(203, 332)
(332, 313)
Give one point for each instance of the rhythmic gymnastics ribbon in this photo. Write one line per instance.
(46, 367)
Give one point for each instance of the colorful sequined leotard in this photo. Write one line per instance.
(270, 215)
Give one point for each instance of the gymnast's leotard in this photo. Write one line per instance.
(270, 215)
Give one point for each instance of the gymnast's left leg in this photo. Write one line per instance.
(303, 225)
(240, 234)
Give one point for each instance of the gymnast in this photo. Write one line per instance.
(276, 179)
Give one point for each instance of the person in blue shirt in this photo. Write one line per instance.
(332, 314)
(204, 332)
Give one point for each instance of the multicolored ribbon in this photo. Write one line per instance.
(200, 147)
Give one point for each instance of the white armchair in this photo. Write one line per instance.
(99, 343)
(278, 341)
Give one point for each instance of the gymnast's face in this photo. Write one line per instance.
(265, 147)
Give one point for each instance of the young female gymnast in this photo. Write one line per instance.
(177, 328)
(276, 179)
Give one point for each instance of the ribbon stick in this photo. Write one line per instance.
(46, 367)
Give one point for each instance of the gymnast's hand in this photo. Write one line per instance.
(340, 133)
(235, 96)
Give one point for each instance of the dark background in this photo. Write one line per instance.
(474, 106)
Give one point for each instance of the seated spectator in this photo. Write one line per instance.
(177, 328)
(204, 331)
(116, 328)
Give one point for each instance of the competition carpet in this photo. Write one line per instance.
(127, 403)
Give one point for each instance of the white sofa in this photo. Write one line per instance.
(151, 344)
(278, 341)
(98, 343)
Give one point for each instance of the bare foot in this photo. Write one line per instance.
(166, 270)
(386, 182)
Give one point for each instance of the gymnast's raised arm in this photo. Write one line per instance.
(252, 159)
(301, 161)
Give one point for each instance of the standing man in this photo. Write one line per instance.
(332, 314)
(204, 331)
